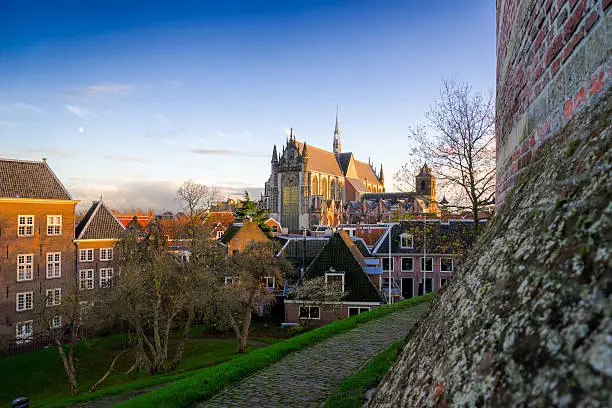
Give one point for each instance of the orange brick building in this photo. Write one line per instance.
(37, 263)
(239, 235)
(96, 236)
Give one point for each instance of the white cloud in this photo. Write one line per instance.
(103, 89)
(81, 112)
(26, 106)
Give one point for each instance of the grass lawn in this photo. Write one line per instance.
(206, 382)
(351, 393)
(40, 376)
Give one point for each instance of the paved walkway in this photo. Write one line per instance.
(307, 378)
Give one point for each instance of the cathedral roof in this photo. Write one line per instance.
(321, 160)
(365, 172)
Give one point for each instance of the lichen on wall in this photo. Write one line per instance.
(526, 322)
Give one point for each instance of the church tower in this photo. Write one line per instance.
(337, 142)
(426, 184)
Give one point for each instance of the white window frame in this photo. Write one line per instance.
(54, 225)
(219, 234)
(54, 265)
(25, 296)
(359, 310)
(106, 276)
(402, 265)
(25, 269)
(56, 322)
(275, 228)
(424, 264)
(335, 274)
(27, 225)
(228, 280)
(54, 297)
(452, 265)
(382, 263)
(86, 255)
(309, 312)
(407, 236)
(86, 279)
(266, 280)
(106, 254)
(24, 336)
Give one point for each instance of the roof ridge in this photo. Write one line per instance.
(91, 216)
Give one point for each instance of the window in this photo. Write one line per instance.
(274, 228)
(56, 322)
(310, 312)
(269, 282)
(24, 331)
(228, 280)
(86, 255)
(106, 276)
(54, 225)
(86, 279)
(106, 254)
(25, 264)
(407, 264)
(446, 264)
(443, 282)
(25, 225)
(335, 281)
(352, 311)
(24, 301)
(54, 265)
(219, 234)
(385, 264)
(406, 241)
(427, 264)
(54, 297)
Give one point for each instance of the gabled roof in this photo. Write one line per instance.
(226, 218)
(300, 251)
(342, 254)
(231, 231)
(321, 160)
(99, 223)
(357, 184)
(344, 159)
(365, 171)
(30, 179)
(392, 197)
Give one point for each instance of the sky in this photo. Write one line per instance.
(127, 102)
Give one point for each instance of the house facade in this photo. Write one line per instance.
(342, 263)
(37, 260)
(421, 249)
(96, 236)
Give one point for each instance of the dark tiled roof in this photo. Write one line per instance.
(99, 223)
(362, 247)
(342, 254)
(230, 233)
(30, 179)
(392, 197)
(344, 159)
(302, 252)
(453, 237)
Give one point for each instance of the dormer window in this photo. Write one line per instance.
(334, 280)
(406, 241)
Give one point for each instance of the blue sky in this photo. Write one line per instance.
(128, 101)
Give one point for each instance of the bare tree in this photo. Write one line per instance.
(315, 292)
(459, 144)
(249, 286)
(195, 200)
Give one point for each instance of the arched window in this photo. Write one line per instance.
(315, 185)
(324, 191)
(422, 185)
(334, 188)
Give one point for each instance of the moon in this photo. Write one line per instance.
(81, 130)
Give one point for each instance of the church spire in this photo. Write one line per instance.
(337, 143)
(274, 155)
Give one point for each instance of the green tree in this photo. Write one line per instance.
(250, 209)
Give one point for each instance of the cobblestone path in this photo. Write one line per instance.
(307, 378)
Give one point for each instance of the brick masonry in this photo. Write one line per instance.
(552, 61)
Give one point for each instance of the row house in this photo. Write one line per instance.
(96, 236)
(37, 223)
(420, 249)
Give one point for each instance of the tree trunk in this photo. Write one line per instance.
(181, 346)
(244, 335)
(110, 369)
(68, 367)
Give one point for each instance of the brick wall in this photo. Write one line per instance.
(97, 263)
(328, 314)
(38, 245)
(552, 60)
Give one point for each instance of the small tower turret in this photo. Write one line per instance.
(426, 183)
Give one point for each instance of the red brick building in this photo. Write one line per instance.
(37, 263)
